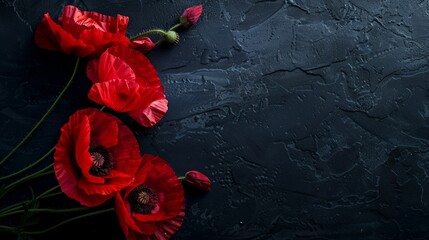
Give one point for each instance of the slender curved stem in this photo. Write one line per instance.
(4, 228)
(46, 210)
(46, 193)
(159, 41)
(148, 32)
(70, 220)
(44, 116)
(29, 166)
(175, 27)
(31, 176)
(19, 205)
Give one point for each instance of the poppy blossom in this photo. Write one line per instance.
(197, 180)
(126, 81)
(95, 157)
(81, 33)
(191, 15)
(152, 207)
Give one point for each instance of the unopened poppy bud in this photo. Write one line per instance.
(191, 15)
(172, 37)
(143, 44)
(197, 180)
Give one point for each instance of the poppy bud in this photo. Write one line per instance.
(191, 15)
(172, 37)
(143, 44)
(197, 180)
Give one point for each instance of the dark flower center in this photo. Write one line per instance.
(143, 200)
(123, 96)
(101, 161)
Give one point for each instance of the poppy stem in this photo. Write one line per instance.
(44, 116)
(148, 32)
(39, 173)
(44, 210)
(4, 228)
(29, 166)
(70, 220)
(22, 204)
(175, 27)
(181, 178)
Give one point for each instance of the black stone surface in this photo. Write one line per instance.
(311, 117)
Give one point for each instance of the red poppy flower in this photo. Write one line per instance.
(81, 33)
(152, 207)
(126, 81)
(95, 157)
(191, 15)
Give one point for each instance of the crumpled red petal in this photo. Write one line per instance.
(119, 95)
(102, 40)
(146, 74)
(82, 33)
(75, 21)
(49, 35)
(165, 229)
(143, 44)
(151, 114)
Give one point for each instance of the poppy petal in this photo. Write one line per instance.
(110, 187)
(75, 21)
(49, 35)
(165, 229)
(102, 40)
(112, 67)
(119, 95)
(127, 152)
(99, 135)
(143, 44)
(83, 157)
(146, 74)
(151, 114)
(92, 70)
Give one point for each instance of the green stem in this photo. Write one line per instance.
(31, 176)
(159, 41)
(148, 32)
(19, 205)
(4, 228)
(46, 193)
(181, 178)
(175, 27)
(46, 210)
(29, 166)
(44, 116)
(69, 220)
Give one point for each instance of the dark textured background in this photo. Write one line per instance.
(310, 117)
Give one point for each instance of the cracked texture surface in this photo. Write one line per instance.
(310, 117)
